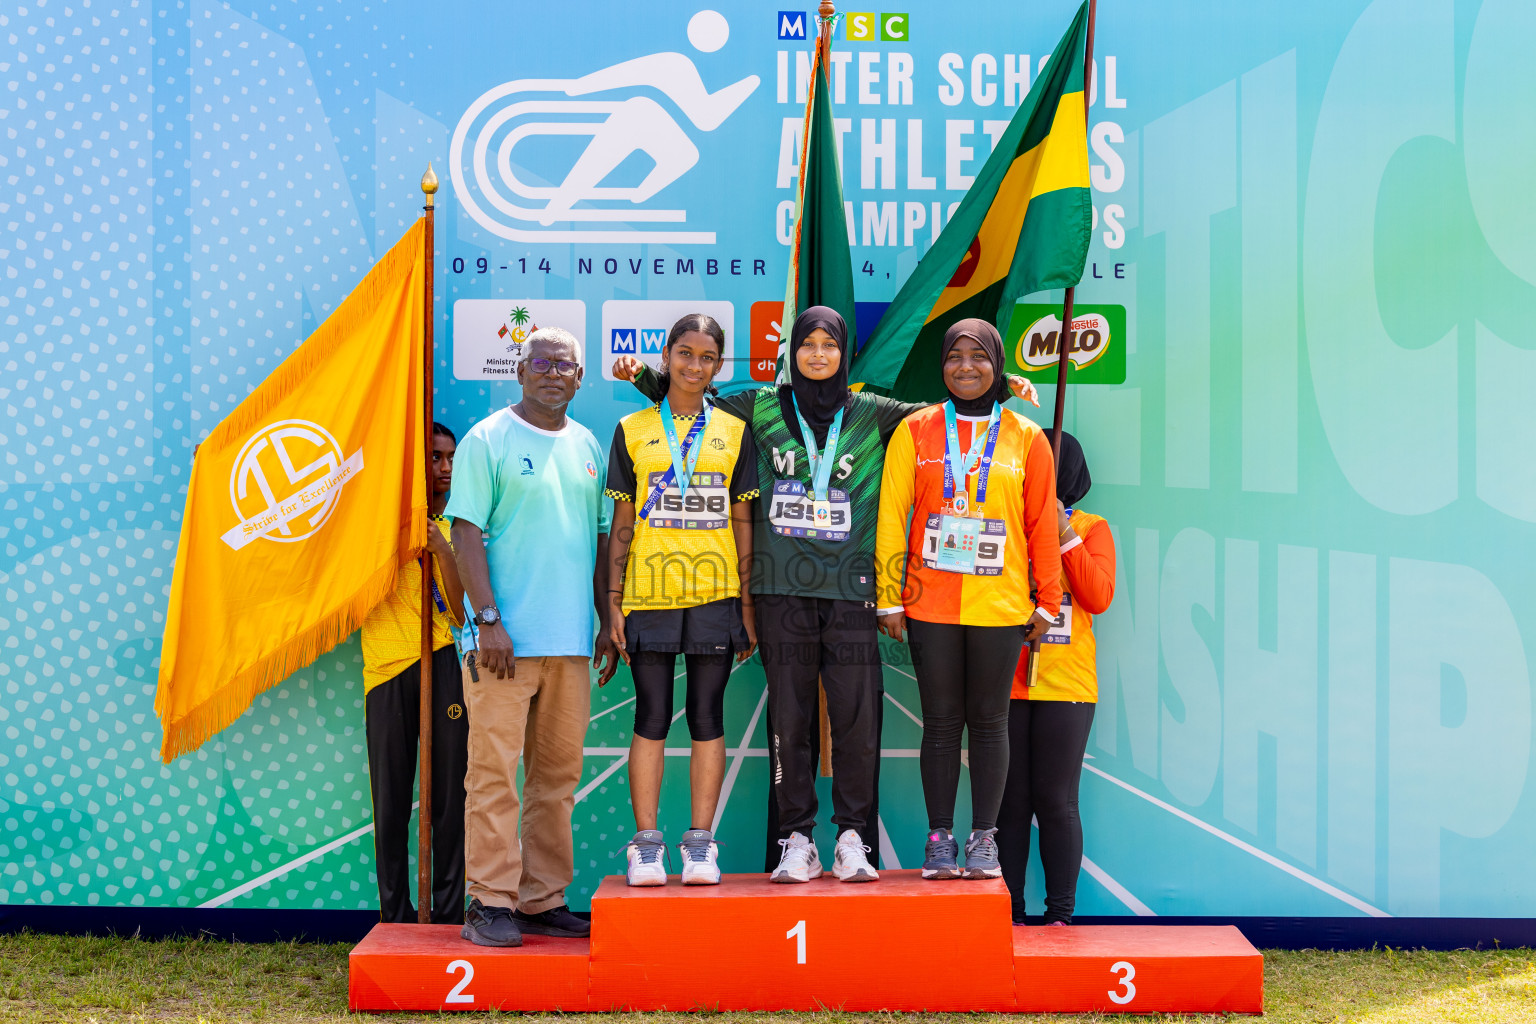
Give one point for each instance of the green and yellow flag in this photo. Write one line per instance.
(1023, 226)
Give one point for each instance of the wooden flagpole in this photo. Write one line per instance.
(424, 752)
(1064, 336)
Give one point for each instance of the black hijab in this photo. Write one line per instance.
(819, 400)
(1072, 479)
(992, 343)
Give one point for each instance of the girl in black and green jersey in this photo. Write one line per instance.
(821, 453)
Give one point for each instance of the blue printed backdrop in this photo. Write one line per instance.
(1315, 693)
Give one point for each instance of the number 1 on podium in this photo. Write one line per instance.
(798, 934)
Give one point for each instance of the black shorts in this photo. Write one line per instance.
(713, 628)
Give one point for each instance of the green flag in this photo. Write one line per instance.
(1023, 226)
(820, 266)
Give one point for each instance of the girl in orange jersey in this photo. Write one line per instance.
(1048, 722)
(976, 481)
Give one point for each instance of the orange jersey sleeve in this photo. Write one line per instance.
(1090, 569)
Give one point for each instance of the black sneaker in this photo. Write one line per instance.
(490, 926)
(557, 921)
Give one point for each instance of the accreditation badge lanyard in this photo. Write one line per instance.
(959, 465)
(821, 465)
(685, 456)
(437, 595)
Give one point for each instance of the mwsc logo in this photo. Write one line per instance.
(632, 341)
(612, 109)
(859, 26)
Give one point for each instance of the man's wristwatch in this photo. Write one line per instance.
(487, 616)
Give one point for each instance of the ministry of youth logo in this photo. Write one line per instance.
(287, 478)
(500, 190)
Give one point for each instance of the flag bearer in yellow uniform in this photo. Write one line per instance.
(682, 476)
(392, 705)
(975, 481)
(1048, 722)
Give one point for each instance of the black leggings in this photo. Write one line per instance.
(964, 677)
(653, 674)
(1047, 739)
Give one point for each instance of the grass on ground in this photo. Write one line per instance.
(50, 978)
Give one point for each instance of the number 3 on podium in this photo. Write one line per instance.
(798, 934)
(1126, 971)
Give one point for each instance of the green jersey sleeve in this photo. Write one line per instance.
(889, 413)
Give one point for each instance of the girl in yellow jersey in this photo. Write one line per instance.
(975, 481)
(1048, 722)
(682, 476)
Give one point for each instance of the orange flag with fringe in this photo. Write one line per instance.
(303, 503)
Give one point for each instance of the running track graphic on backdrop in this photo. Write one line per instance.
(617, 128)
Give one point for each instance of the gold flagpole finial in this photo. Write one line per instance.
(826, 8)
(429, 183)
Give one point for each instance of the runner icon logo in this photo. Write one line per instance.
(613, 109)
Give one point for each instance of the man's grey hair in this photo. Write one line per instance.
(555, 336)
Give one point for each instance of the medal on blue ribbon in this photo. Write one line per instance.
(821, 466)
(959, 465)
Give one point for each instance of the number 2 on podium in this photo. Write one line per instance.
(457, 993)
(798, 934)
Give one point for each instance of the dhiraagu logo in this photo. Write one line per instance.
(1097, 352)
(506, 181)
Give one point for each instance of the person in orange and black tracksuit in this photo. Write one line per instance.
(1048, 722)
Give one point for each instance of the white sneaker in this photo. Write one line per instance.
(644, 854)
(849, 863)
(701, 853)
(799, 862)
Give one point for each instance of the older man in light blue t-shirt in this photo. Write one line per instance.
(530, 528)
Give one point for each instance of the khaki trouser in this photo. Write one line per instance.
(540, 715)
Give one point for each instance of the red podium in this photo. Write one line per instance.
(897, 944)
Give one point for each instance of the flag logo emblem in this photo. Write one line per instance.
(591, 469)
(286, 481)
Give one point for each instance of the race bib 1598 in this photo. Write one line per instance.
(706, 506)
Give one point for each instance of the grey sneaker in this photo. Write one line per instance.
(490, 926)
(941, 855)
(701, 865)
(644, 859)
(981, 855)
